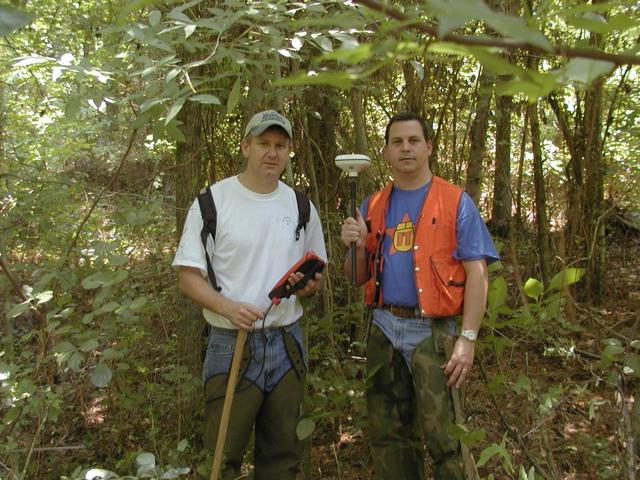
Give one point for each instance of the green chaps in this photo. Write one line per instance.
(277, 448)
(406, 410)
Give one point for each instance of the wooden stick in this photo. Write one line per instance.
(226, 407)
(469, 464)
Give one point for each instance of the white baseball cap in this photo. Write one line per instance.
(263, 120)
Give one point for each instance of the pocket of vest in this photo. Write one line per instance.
(449, 272)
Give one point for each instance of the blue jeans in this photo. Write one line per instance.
(406, 333)
(268, 362)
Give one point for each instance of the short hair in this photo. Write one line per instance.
(406, 117)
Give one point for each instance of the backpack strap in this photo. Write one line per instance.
(304, 211)
(210, 220)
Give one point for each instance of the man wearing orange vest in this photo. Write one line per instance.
(421, 252)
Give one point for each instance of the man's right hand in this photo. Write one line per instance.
(354, 230)
(243, 315)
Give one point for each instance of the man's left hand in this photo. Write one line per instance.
(312, 286)
(459, 365)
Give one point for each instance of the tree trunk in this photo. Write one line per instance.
(523, 146)
(501, 211)
(479, 138)
(414, 93)
(189, 180)
(540, 196)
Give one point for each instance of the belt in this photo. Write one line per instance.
(404, 312)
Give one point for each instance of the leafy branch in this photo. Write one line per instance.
(507, 44)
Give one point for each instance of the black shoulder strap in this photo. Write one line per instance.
(210, 220)
(304, 212)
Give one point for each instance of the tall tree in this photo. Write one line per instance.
(542, 224)
(478, 136)
(501, 209)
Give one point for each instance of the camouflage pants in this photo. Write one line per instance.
(404, 410)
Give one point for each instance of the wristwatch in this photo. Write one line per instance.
(470, 335)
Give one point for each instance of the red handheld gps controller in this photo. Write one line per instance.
(308, 265)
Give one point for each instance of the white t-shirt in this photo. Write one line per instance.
(255, 246)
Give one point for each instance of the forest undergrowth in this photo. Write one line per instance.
(104, 387)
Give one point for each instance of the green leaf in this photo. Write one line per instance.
(19, 309)
(174, 110)
(583, 70)
(174, 133)
(72, 107)
(498, 65)
(43, 297)
(523, 383)
(154, 18)
(452, 15)
(351, 56)
(118, 260)
(531, 89)
(29, 60)
(305, 427)
(112, 354)
(533, 288)
(63, 347)
(104, 279)
(175, 14)
(632, 361)
(75, 361)
(234, 96)
(188, 30)
(101, 375)
(495, 386)
(285, 53)
(89, 345)
(419, 68)
(497, 293)
(566, 277)
(206, 99)
(448, 48)
(515, 28)
(342, 80)
(138, 303)
(610, 352)
(12, 19)
(146, 459)
(182, 445)
(489, 452)
(324, 43)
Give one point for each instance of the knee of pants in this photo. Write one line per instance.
(246, 403)
(390, 392)
(278, 451)
(434, 401)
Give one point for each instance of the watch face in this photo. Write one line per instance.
(469, 335)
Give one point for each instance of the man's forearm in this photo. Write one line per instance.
(194, 286)
(475, 294)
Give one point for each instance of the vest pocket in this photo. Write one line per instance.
(450, 280)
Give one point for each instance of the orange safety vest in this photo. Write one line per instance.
(439, 277)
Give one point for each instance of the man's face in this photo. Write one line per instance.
(407, 151)
(267, 153)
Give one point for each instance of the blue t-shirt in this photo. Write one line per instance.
(472, 238)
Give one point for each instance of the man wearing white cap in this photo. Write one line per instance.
(257, 239)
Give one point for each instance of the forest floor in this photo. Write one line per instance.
(568, 421)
